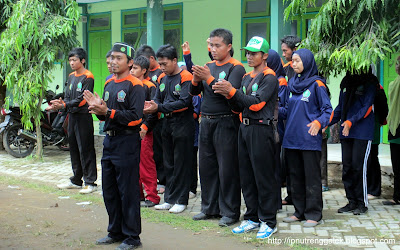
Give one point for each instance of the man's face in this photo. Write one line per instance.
(167, 66)
(255, 59)
(219, 50)
(75, 62)
(119, 62)
(298, 66)
(287, 52)
(109, 64)
(137, 71)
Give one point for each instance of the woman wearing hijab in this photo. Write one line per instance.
(357, 94)
(307, 111)
(274, 62)
(393, 120)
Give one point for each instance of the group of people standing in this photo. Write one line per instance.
(254, 128)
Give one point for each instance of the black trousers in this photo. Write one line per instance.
(374, 172)
(286, 174)
(256, 148)
(324, 162)
(395, 156)
(305, 176)
(178, 140)
(81, 147)
(355, 154)
(218, 166)
(195, 171)
(158, 151)
(279, 172)
(120, 175)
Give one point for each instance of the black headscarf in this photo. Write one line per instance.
(274, 62)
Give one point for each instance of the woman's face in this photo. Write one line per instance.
(297, 64)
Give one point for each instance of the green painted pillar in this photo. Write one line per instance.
(155, 32)
(279, 28)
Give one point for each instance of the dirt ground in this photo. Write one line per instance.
(30, 219)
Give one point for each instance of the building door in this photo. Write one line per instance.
(99, 45)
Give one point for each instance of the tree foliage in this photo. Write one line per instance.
(37, 33)
(350, 35)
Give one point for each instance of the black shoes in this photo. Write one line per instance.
(106, 241)
(226, 221)
(348, 208)
(202, 216)
(147, 203)
(125, 246)
(361, 209)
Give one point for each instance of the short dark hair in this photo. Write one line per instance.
(143, 62)
(146, 50)
(167, 51)
(291, 41)
(108, 54)
(225, 34)
(78, 52)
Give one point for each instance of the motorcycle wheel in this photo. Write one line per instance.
(14, 144)
(64, 145)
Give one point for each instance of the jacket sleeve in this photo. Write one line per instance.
(133, 115)
(188, 61)
(152, 119)
(367, 102)
(87, 84)
(196, 105)
(184, 101)
(255, 103)
(337, 113)
(324, 106)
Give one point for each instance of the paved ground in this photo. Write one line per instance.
(378, 229)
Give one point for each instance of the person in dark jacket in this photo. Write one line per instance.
(355, 111)
(308, 110)
(80, 126)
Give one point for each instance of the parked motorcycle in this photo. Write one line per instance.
(20, 142)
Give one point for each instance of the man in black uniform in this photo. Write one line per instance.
(173, 99)
(289, 45)
(122, 110)
(154, 73)
(80, 126)
(256, 100)
(218, 159)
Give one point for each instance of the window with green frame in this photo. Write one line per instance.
(134, 26)
(99, 22)
(300, 26)
(256, 21)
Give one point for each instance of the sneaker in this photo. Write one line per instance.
(245, 226)
(164, 206)
(177, 208)
(88, 189)
(325, 188)
(361, 209)
(372, 197)
(192, 195)
(69, 185)
(348, 208)
(265, 231)
(147, 203)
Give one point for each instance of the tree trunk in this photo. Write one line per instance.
(39, 144)
(2, 97)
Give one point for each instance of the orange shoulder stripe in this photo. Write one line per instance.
(160, 76)
(134, 123)
(135, 81)
(282, 81)
(257, 107)
(88, 74)
(148, 83)
(109, 80)
(235, 62)
(268, 71)
(320, 83)
(186, 76)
